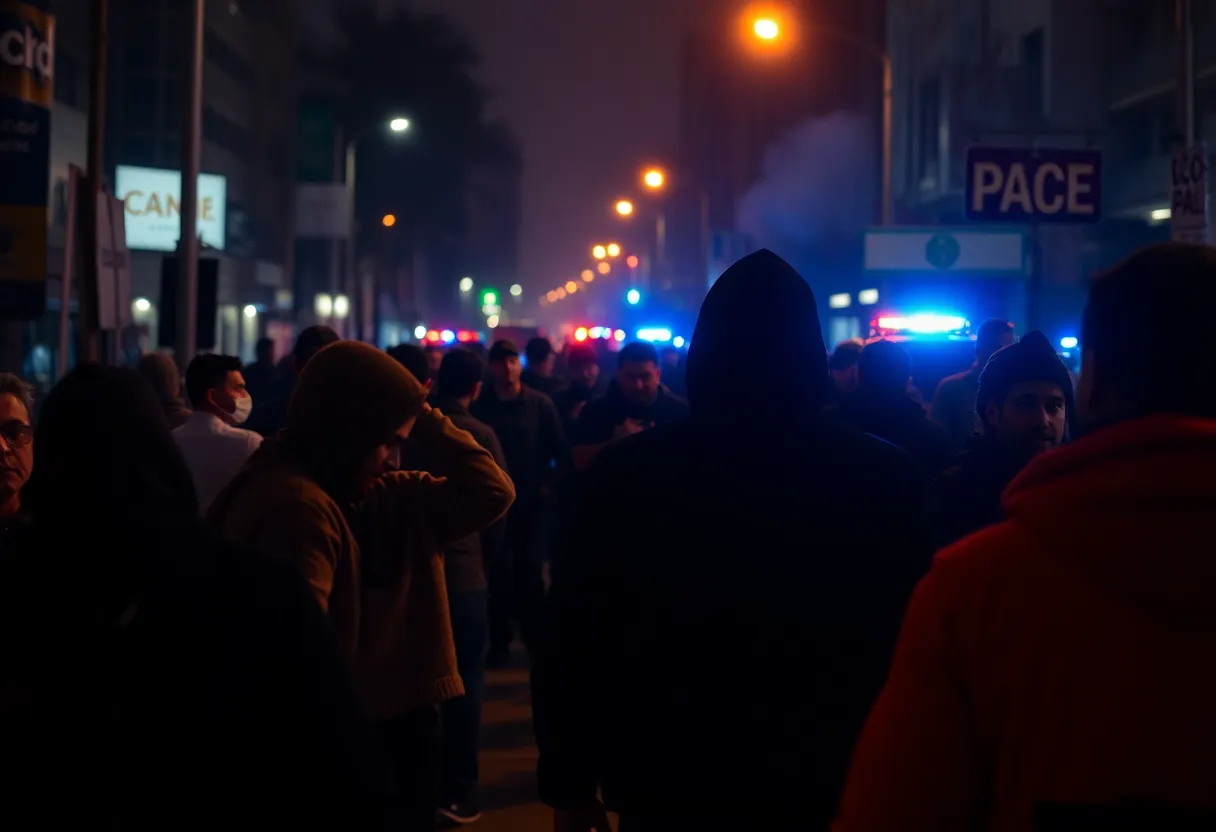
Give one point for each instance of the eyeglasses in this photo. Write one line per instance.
(17, 434)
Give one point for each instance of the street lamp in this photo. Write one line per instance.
(614, 250)
(766, 28)
(516, 290)
(654, 179)
(624, 207)
(599, 252)
(399, 125)
(466, 285)
(388, 221)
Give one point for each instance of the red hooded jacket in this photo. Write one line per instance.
(1063, 658)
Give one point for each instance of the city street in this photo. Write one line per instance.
(508, 757)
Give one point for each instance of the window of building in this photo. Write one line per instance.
(226, 58)
(225, 133)
(1032, 62)
(141, 103)
(929, 105)
(68, 77)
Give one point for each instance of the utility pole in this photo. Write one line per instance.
(1185, 25)
(187, 246)
(88, 341)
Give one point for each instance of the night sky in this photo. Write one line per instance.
(591, 89)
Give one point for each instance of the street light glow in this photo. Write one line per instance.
(599, 252)
(388, 221)
(420, 332)
(634, 297)
(399, 125)
(466, 284)
(516, 290)
(492, 322)
(588, 275)
(624, 207)
(614, 250)
(632, 261)
(603, 268)
(653, 179)
(766, 28)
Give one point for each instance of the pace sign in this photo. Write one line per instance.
(1189, 194)
(1028, 185)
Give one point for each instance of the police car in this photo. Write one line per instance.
(939, 345)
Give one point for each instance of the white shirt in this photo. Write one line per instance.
(214, 451)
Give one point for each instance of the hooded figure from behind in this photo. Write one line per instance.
(145, 649)
(161, 372)
(759, 595)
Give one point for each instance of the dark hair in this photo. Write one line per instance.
(14, 385)
(1142, 356)
(638, 352)
(311, 341)
(845, 355)
(580, 356)
(884, 366)
(412, 358)
(989, 336)
(208, 372)
(538, 350)
(264, 345)
(458, 374)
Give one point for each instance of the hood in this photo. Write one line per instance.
(105, 460)
(159, 370)
(349, 398)
(783, 355)
(1131, 505)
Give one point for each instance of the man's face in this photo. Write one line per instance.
(845, 380)
(639, 382)
(1031, 419)
(16, 445)
(507, 370)
(386, 457)
(225, 397)
(585, 375)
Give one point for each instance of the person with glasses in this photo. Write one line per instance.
(16, 447)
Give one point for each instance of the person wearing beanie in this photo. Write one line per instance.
(954, 400)
(1024, 399)
(1057, 670)
(325, 494)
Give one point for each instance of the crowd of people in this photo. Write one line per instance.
(272, 592)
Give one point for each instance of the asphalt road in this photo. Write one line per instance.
(508, 758)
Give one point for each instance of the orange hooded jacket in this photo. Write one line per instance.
(1064, 659)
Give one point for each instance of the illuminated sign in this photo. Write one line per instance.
(152, 205)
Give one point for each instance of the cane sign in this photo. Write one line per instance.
(1189, 194)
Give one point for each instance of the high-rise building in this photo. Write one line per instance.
(248, 139)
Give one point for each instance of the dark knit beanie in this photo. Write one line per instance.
(1030, 359)
(350, 398)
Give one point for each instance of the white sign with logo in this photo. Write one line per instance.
(152, 205)
(1189, 194)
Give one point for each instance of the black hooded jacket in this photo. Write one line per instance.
(161, 677)
(739, 585)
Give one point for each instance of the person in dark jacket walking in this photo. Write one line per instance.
(466, 570)
(954, 400)
(270, 415)
(583, 373)
(881, 407)
(530, 430)
(188, 680)
(541, 362)
(1024, 401)
(720, 638)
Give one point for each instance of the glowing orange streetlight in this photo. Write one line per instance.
(599, 252)
(614, 250)
(654, 179)
(766, 28)
(632, 261)
(388, 221)
(588, 275)
(571, 286)
(603, 268)
(624, 207)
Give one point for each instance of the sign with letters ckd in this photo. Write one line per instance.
(1189, 195)
(1034, 184)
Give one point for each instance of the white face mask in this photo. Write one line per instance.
(241, 412)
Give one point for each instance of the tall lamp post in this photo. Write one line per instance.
(767, 29)
(353, 287)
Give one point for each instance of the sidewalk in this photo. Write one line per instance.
(508, 758)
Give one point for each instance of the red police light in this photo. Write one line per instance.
(464, 336)
(432, 335)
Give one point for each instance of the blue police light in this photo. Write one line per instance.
(448, 336)
(678, 342)
(634, 297)
(1068, 342)
(654, 334)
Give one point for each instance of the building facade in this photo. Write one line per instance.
(248, 137)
